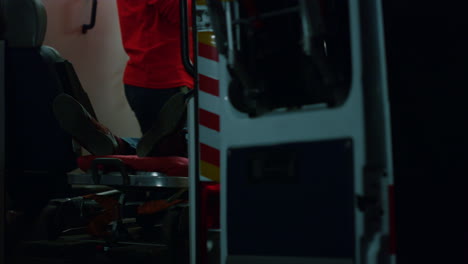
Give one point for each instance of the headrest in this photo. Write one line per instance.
(26, 23)
(51, 55)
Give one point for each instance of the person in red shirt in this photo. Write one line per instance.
(152, 40)
(156, 85)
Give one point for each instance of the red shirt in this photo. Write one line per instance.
(151, 38)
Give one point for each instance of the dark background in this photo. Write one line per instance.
(427, 55)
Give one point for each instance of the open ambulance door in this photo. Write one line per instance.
(292, 119)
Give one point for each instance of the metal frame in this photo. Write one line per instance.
(193, 181)
(379, 167)
(191, 66)
(138, 179)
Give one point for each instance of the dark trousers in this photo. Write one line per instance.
(146, 103)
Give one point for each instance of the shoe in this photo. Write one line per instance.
(166, 137)
(90, 134)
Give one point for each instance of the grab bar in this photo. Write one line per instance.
(91, 24)
(184, 26)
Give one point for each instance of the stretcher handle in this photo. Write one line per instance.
(112, 163)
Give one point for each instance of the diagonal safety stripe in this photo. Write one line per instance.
(209, 122)
(208, 68)
(209, 137)
(209, 154)
(208, 85)
(209, 102)
(208, 119)
(209, 171)
(208, 51)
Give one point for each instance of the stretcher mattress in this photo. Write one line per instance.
(132, 171)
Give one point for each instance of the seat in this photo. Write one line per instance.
(38, 151)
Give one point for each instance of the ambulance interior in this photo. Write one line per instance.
(62, 206)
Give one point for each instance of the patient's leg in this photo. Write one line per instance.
(90, 134)
(167, 137)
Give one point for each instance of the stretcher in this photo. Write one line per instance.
(124, 172)
(133, 173)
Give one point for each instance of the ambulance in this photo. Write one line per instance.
(289, 138)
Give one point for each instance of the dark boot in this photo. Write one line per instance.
(90, 134)
(167, 136)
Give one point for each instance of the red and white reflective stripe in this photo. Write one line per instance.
(209, 120)
(208, 51)
(209, 100)
(209, 85)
